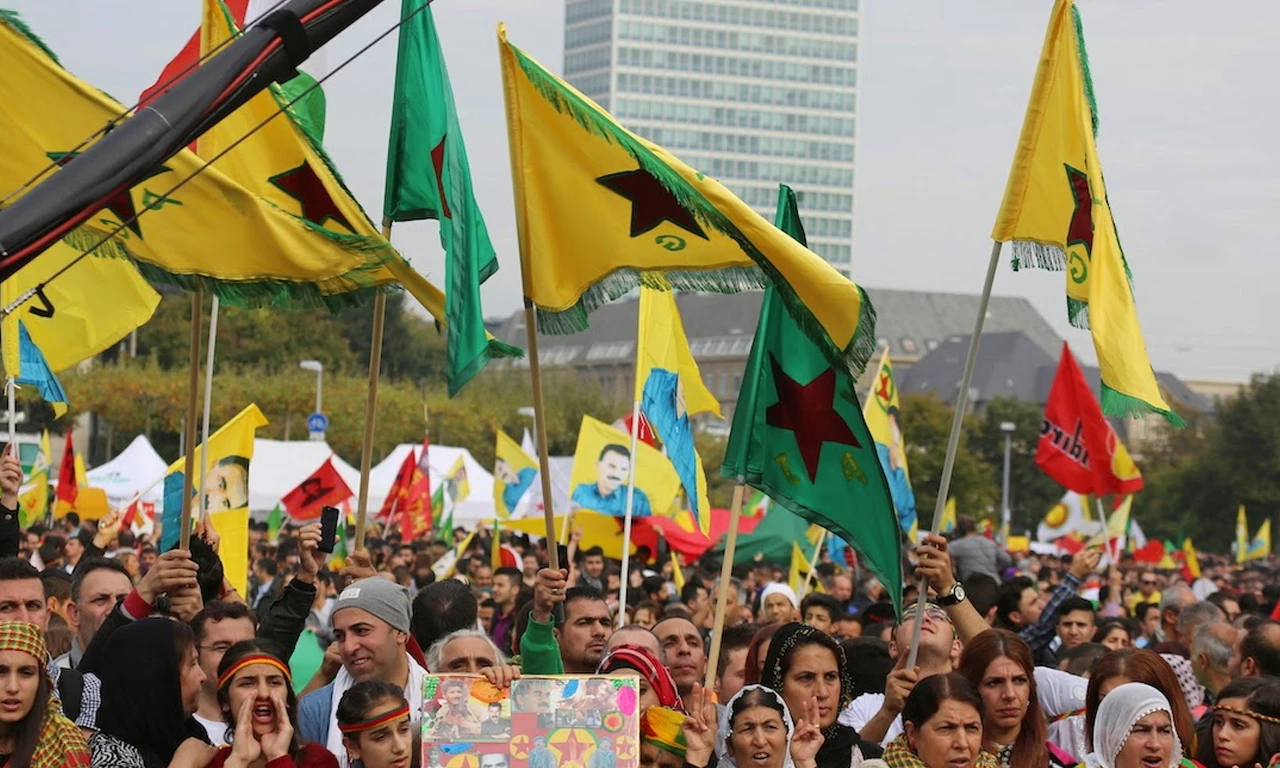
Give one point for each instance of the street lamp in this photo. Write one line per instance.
(1007, 427)
(318, 367)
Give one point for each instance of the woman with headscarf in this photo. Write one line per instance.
(808, 668)
(33, 731)
(150, 688)
(942, 726)
(1134, 728)
(657, 688)
(1133, 665)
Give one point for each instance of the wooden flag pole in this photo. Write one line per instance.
(371, 404)
(208, 401)
(953, 440)
(726, 573)
(813, 565)
(540, 426)
(193, 392)
(626, 522)
(1106, 531)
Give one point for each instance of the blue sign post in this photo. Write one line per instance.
(317, 423)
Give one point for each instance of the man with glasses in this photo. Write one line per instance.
(1148, 591)
(220, 625)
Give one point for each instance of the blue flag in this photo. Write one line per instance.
(35, 372)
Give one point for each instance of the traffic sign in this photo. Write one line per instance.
(317, 422)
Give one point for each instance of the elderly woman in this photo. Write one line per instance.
(942, 719)
(808, 668)
(754, 730)
(1134, 728)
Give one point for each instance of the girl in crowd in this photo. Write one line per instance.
(1246, 725)
(808, 668)
(647, 614)
(1134, 665)
(757, 651)
(1116, 634)
(146, 707)
(33, 731)
(999, 665)
(657, 688)
(1134, 728)
(942, 721)
(374, 719)
(255, 691)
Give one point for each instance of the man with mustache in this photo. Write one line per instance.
(608, 494)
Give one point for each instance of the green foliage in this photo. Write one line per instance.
(1031, 491)
(926, 423)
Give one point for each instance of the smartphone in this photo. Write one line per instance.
(329, 518)
(563, 552)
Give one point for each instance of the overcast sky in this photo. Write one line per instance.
(1187, 98)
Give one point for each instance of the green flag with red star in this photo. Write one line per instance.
(428, 177)
(798, 435)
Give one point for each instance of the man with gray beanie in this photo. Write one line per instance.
(371, 627)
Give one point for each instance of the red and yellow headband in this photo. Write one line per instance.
(376, 720)
(255, 658)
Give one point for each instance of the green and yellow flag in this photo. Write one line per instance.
(884, 418)
(33, 504)
(599, 209)
(1057, 215)
(799, 436)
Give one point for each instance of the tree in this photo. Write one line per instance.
(926, 423)
(1031, 491)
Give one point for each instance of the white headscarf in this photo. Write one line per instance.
(1117, 714)
(726, 717)
(778, 587)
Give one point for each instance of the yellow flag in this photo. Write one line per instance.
(1057, 214)
(513, 474)
(884, 420)
(670, 390)
(949, 516)
(33, 504)
(677, 572)
(598, 208)
(456, 485)
(1260, 547)
(1191, 558)
(799, 568)
(90, 503)
(598, 530)
(1117, 526)
(602, 464)
(1242, 534)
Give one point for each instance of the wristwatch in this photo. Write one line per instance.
(953, 597)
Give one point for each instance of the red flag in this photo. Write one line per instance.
(399, 492)
(417, 506)
(185, 62)
(1078, 447)
(645, 435)
(67, 488)
(325, 488)
(130, 515)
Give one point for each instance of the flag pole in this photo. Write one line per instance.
(208, 399)
(540, 426)
(371, 403)
(957, 422)
(813, 565)
(11, 386)
(1106, 530)
(193, 390)
(726, 573)
(626, 522)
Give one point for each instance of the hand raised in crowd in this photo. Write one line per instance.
(900, 684)
(310, 558)
(10, 478)
(700, 727)
(1084, 561)
(935, 564)
(208, 532)
(548, 592)
(808, 738)
(108, 530)
(172, 571)
(501, 675)
(194, 753)
(186, 602)
(359, 566)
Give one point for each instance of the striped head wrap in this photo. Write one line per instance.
(61, 744)
(662, 727)
(254, 658)
(643, 661)
(376, 720)
(23, 636)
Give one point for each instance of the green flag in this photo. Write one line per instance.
(274, 520)
(428, 178)
(798, 435)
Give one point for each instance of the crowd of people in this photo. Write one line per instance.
(114, 654)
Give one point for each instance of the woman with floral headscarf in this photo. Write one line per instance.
(809, 670)
(1134, 729)
(33, 732)
(657, 688)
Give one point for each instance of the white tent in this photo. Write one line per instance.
(477, 506)
(278, 466)
(132, 471)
